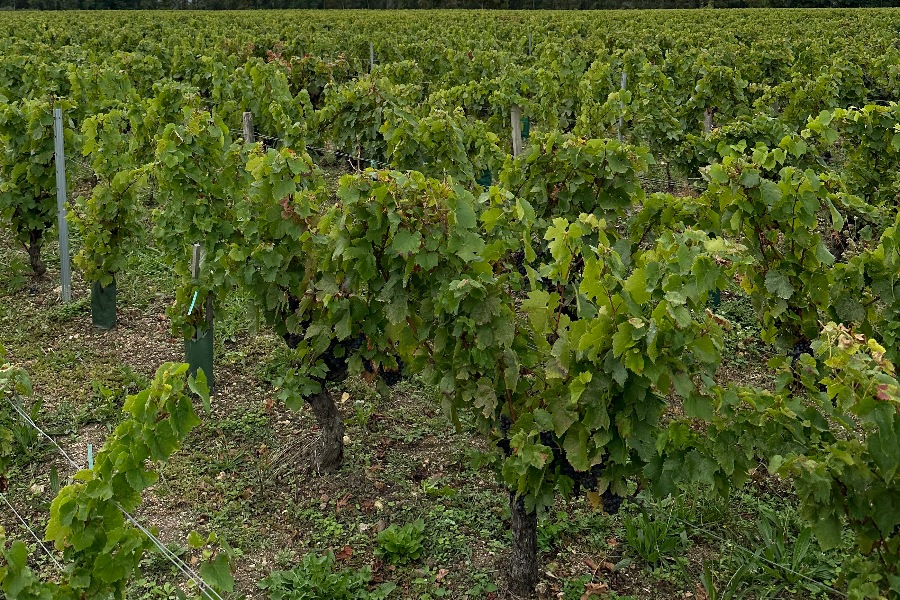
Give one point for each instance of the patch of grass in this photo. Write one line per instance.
(68, 310)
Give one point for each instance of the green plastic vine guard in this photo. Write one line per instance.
(485, 179)
(198, 353)
(103, 305)
(526, 127)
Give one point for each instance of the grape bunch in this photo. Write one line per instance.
(518, 258)
(802, 347)
(356, 343)
(503, 443)
(337, 365)
(392, 378)
(611, 502)
(582, 479)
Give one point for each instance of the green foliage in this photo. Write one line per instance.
(14, 384)
(202, 180)
(400, 545)
(563, 176)
(314, 579)
(867, 294)
(110, 218)
(442, 144)
(852, 473)
(788, 557)
(28, 170)
(654, 540)
(352, 114)
(777, 220)
(101, 550)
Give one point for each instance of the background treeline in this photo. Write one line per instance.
(432, 4)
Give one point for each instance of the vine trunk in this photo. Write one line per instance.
(328, 451)
(523, 562)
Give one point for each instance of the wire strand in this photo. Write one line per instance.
(175, 560)
(28, 420)
(753, 554)
(31, 531)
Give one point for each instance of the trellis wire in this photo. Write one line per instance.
(31, 531)
(81, 164)
(751, 553)
(175, 560)
(317, 149)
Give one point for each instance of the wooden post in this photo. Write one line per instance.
(371, 58)
(209, 310)
(514, 115)
(529, 44)
(707, 121)
(60, 160)
(249, 134)
(195, 260)
(622, 107)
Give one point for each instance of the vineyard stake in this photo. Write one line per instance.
(199, 350)
(516, 130)
(622, 106)
(195, 259)
(371, 58)
(249, 135)
(529, 44)
(60, 160)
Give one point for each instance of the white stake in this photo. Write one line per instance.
(60, 159)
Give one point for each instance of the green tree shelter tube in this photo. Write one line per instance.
(103, 305)
(198, 353)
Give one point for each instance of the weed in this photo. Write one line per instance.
(15, 275)
(652, 539)
(400, 545)
(314, 579)
(26, 437)
(785, 557)
(67, 311)
(548, 532)
(730, 588)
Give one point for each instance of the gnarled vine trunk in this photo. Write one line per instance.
(523, 561)
(33, 248)
(328, 451)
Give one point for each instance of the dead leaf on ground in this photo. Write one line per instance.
(701, 593)
(344, 554)
(342, 503)
(594, 590)
(440, 575)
